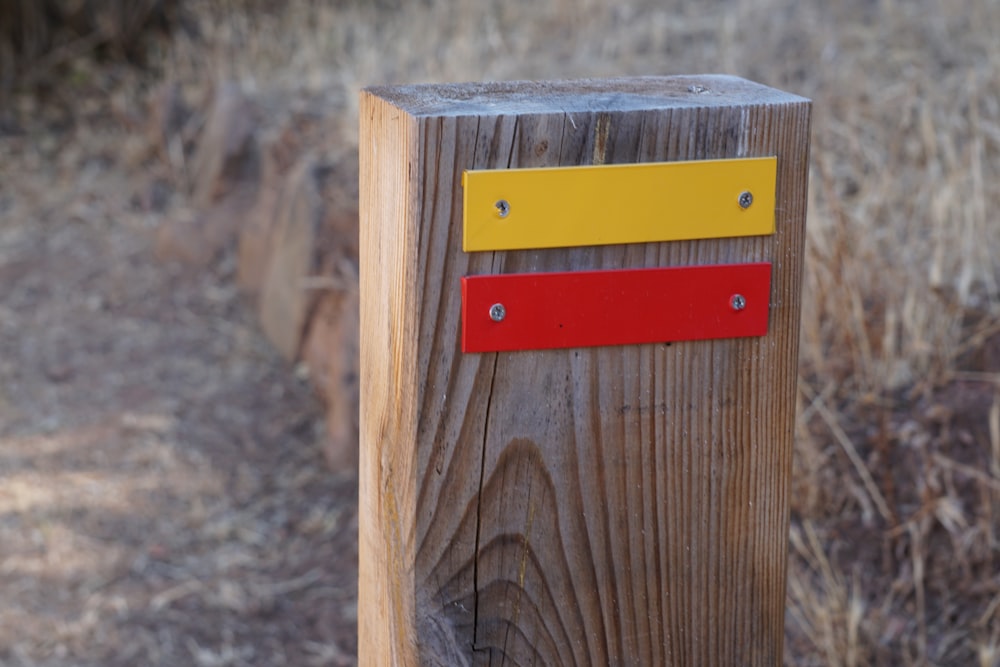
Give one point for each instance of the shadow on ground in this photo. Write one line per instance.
(163, 498)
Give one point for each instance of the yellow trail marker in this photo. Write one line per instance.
(512, 209)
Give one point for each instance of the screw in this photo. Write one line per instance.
(497, 312)
(738, 302)
(746, 198)
(503, 208)
(697, 90)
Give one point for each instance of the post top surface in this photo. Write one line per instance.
(580, 95)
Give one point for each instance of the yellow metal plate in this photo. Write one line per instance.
(511, 209)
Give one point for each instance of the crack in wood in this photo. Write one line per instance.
(479, 510)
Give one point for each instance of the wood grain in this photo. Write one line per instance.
(602, 506)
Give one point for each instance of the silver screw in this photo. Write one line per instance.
(738, 302)
(497, 312)
(697, 90)
(503, 208)
(746, 199)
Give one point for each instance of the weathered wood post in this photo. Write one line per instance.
(578, 384)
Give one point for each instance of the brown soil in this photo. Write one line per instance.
(163, 496)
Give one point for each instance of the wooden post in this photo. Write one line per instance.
(612, 505)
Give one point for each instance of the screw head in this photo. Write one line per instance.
(503, 208)
(498, 312)
(746, 199)
(738, 302)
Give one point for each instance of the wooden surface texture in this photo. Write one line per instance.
(601, 506)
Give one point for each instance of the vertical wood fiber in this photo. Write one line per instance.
(602, 506)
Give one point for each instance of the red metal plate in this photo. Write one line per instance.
(537, 311)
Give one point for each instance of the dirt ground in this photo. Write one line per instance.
(163, 498)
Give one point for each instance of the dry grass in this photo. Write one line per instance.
(895, 553)
(902, 246)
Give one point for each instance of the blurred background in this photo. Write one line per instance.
(178, 297)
